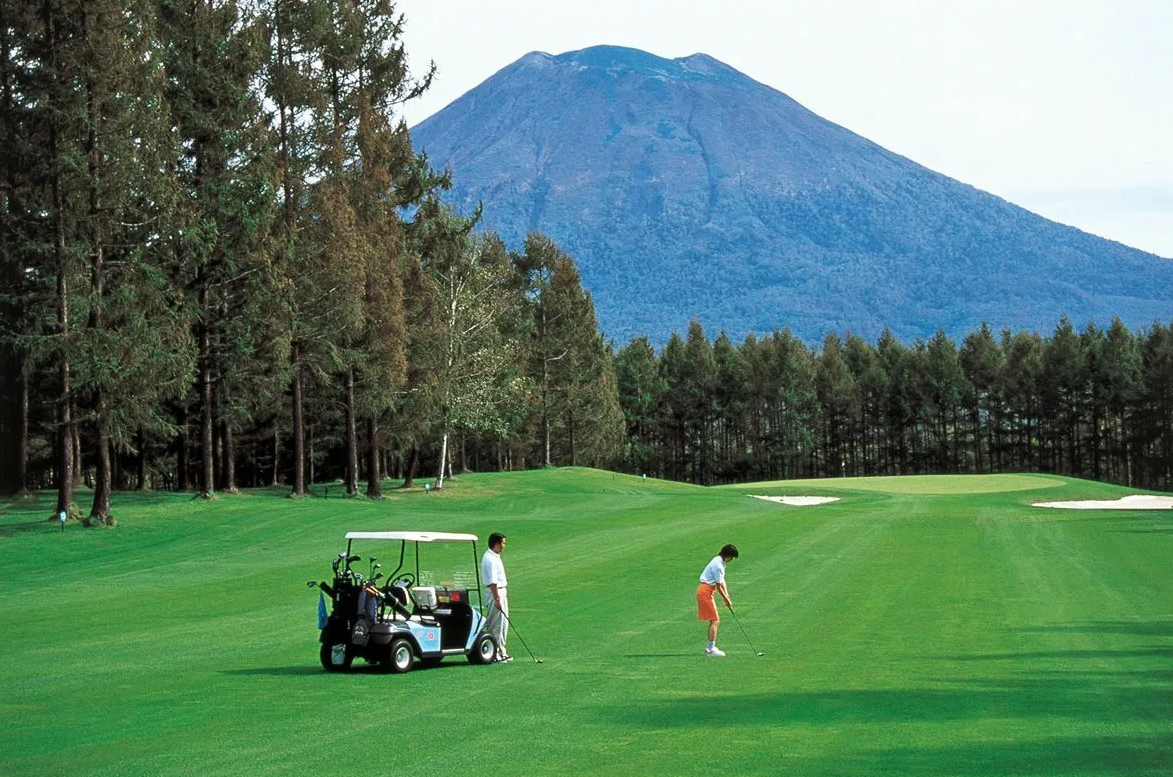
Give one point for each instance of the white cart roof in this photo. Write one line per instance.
(411, 536)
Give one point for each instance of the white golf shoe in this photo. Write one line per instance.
(714, 651)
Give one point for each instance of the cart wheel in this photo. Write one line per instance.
(402, 656)
(325, 655)
(484, 650)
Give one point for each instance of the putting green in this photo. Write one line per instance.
(905, 631)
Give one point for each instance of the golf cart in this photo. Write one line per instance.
(418, 614)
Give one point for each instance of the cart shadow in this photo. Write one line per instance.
(275, 671)
(313, 669)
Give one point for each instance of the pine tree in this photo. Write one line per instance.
(731, 399)
(20, 136)
(980, 360)
(836, 391)
(214, 52)
(1116, 381)
(641, 391)
(945, 387)
(1063, 382)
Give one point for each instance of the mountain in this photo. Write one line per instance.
(685, 189)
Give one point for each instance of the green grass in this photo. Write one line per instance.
(918, 626)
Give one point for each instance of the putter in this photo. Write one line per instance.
(515, 631)
(743, 632)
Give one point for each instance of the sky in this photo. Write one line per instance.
(1064, 107)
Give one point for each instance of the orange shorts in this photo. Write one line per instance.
(706, 608)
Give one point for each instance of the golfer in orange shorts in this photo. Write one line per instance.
(713, 580)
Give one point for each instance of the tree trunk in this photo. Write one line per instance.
(227, 458)
(100, 510)
(207, 443)
(64, 445)
(142, 459)
(412, 461)
(351, 437)
(22, 455)
(298, 424)
(75, 442)
(374, 471)
(65, 457)
(276, 478)
(311, 476)
(183, 467)
(443, 456)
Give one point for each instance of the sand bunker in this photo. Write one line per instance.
(798, 501)
(1133, 502)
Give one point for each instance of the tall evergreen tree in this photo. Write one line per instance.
(214, 52)
(1018, 384)
(1061, 391)
(980, 360)
(697, 383)
(570, 364)
(641, 389)
(1116, 385)
(836, 391)
(945, 387)
(19, 186)
(1154, 442)
(731, 400)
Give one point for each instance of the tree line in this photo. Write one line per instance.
(223, 264)
(1095, 403)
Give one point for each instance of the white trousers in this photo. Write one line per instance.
(496, 624)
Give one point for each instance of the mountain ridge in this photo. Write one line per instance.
(686, 189)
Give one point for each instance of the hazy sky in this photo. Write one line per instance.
(1064, 107)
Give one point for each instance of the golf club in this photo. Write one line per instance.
(515, 631)
(743, 632)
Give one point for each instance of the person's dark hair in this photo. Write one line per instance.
(729, 551)
(495, 538)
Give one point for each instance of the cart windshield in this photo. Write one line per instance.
(435, 559)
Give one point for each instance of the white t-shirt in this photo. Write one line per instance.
(493, 569)
(715, 572)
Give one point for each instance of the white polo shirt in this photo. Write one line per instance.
(493, 569)
(715, 572)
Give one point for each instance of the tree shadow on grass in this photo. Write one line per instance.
(1055, 755)
(1102, 688)
(1074, 697)
(1150, 628)
(1063, 695)
(44, 526)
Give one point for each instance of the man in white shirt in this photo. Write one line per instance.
(713, 581)
(493, 576)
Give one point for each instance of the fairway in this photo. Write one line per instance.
(917, 626)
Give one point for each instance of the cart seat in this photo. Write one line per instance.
(399, 595)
